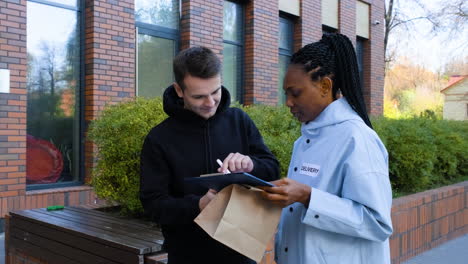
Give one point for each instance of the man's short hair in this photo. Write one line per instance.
(199, 62)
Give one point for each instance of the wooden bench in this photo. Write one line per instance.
(77, 235)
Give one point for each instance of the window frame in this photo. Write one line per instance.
(158, 32)
(285, 52)
(241, 45)
(80, 7)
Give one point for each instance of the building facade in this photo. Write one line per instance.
(62, 61)
(456, 98)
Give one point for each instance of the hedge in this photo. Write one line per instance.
(423, 152)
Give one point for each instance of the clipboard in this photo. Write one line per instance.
(218, 181)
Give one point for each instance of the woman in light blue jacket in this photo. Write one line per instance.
(337, 197)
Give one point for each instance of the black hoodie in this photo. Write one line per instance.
(187, 145)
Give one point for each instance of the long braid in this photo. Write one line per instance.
(334, 56)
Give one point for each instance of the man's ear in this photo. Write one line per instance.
(326, 85)
(178, 90)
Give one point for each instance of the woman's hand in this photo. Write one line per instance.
(287, 192)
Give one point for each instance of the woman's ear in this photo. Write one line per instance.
(326, 85)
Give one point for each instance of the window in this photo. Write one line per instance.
(286, 29)
(157, 25)
(53, 87)
(360, 59)
(330, 13)
(327, 29)
(232, 49)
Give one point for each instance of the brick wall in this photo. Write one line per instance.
(69, 196)
(347, 19)
(202, 24)
(308, 27)
(425, 220)
(374, 61)
(261, 52)
(109, 59)
(13, 104)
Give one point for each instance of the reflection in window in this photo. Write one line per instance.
(360, 59)
(164, 13)
(157, 24)
(286, 27)
(154, 68)
(232, 49)
(53, 92)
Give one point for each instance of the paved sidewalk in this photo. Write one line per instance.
(452, 252)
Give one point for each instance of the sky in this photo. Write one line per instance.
(421, 47)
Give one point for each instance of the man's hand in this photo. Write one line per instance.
(287, 192)
(236, 162)
(206, 199)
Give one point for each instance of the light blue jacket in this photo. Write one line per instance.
(348, 219)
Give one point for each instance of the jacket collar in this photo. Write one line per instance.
(337, 112)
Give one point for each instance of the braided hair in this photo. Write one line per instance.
(334, 57)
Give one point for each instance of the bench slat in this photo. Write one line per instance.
(136, 223)
(37, 252)
(84, 230)
(109, 224)
(87, 245)
(58, 248)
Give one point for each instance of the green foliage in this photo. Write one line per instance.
(119, 133)
(279, 130)
(423, 151)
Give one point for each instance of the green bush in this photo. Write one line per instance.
(118, 134)
(279, 130)
(423, 152)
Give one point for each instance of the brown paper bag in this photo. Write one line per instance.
(241, 219)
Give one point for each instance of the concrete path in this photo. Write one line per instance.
(452, 252)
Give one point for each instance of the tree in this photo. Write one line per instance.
(411, 89)
(452, 18)
(396, 17)
(446, 16)
(456, 67)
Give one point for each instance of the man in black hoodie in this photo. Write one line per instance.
(201, 128)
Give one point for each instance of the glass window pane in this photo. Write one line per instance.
(285, 34)
(283, 67)
(164, 13)
(231, 70)
(53, 93)
(360, 58)
(155, 57)
(232, 21)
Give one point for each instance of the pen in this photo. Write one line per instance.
(220, 163)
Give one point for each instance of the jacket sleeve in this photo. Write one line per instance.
(266, 166)
(154, 189)
(363, 208)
